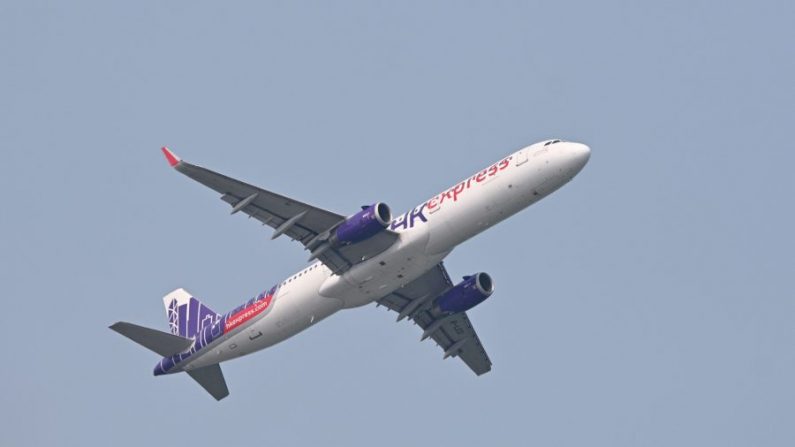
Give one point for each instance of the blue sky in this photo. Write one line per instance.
(649, 302)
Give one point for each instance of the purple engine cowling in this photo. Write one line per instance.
(363, 225)
(467, 294)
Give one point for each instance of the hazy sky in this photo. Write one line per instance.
(647, 303)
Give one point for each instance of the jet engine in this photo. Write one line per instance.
(465, 295)
(363, 225)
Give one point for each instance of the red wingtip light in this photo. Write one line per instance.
(173, 160)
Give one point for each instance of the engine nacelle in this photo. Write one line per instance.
(363, 225)
(467, 294)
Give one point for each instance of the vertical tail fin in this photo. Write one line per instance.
(187, 316)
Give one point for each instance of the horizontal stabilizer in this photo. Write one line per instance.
(160, 342)
(211, 379)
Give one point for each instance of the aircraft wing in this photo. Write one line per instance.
(299, 221)
(453, 333)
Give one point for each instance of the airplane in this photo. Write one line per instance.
(367, 257)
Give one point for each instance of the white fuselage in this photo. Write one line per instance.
(427, 234)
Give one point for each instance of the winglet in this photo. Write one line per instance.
(173, 160)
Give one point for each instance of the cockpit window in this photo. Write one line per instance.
(551, 142)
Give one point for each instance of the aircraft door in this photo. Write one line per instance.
(521, 157)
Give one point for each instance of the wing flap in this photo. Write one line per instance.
(458, 338)
(268, 207)
(303, 230)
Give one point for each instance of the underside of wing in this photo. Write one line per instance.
(307, 224)
(453, 333)
(456, 336)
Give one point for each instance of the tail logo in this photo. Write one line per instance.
(189, 319)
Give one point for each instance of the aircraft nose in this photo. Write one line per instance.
(580, 154)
